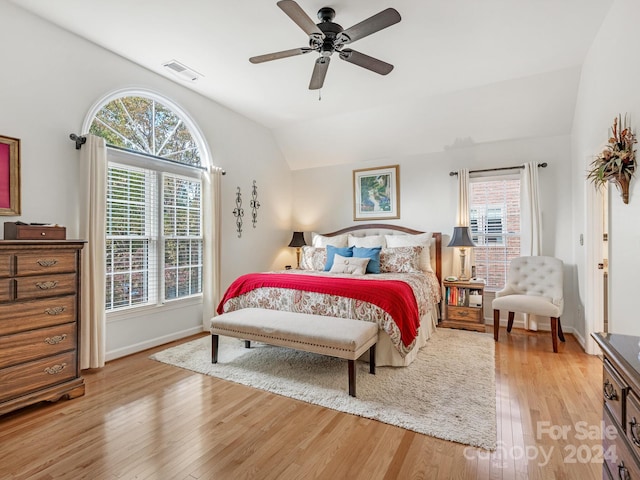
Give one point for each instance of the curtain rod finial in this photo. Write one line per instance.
(78, 139)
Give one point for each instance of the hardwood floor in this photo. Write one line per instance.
(146, 420)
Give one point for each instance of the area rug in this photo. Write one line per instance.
(448, 392)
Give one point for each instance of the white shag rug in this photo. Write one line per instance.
(447, 392)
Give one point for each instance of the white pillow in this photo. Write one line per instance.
(350, 265)
(366, 242)
(420, 240)
(321, 241)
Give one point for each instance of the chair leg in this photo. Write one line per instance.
(510, 321)
(554, 333)
(214, 348)
(560, 333)
(496, 324)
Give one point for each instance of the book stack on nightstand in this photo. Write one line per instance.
(463, 305)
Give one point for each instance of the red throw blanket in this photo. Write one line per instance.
(393, 296)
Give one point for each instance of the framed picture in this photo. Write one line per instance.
(376, 193)
(9, 176)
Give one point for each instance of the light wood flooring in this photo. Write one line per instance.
(146, 420)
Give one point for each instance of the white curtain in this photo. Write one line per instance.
(212, 236)
(93, 184)
(530, 216)
(530, 222)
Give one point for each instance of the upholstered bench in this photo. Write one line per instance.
(336, 337)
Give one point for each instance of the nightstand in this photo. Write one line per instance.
(462, 305)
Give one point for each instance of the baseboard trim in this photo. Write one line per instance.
(153, 342)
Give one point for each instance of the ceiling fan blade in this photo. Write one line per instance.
(365, 61)
(319, 72)
(276, 55)
(373, 24)
(295, 13)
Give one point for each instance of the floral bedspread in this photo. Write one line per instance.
(425, 287)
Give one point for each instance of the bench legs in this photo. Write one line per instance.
(352, 370)
(214, 348)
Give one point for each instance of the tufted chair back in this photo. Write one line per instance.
(536, 276)
(534, 286)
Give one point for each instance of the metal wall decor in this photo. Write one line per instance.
(254, 204)
(238, 212)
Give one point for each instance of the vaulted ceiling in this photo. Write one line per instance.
(466, 71)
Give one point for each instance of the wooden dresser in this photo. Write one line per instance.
(39, 322)
(621, 405)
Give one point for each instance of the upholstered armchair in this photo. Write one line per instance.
(534, 286)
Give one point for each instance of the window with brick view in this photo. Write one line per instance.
(494, 208)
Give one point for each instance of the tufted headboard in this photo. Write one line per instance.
(367, 229)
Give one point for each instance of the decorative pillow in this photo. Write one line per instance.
(421, 240)
(366, 242)
(373, 254)
(322, 241)
(331, 251)
(400, 260)
(350, 265)
(313, 258)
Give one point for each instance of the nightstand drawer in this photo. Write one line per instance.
(44, 342)
(468, 314)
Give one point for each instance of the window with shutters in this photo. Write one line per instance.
(154, 204)
(494, 211)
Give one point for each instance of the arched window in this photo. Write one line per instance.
(154, 201)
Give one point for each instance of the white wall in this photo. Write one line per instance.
(323, 197)
(50, 79)
(609, 86)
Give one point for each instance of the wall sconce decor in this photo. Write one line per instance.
(254, 204)
(238, 212)
(298, 242)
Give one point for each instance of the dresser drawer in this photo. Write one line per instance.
(43, 342)
(633, 421)
(613, 391)
(7, 289)
(618, 458)
(19, 317)
(45, 263)
(463, 313)
(5, 264)
(30, 377)
(45, 286)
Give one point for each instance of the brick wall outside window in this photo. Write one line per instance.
(495, 224)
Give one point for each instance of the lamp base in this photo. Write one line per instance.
(463, 274)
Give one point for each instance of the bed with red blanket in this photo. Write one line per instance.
(403, 299)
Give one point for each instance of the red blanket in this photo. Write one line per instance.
(393, 296)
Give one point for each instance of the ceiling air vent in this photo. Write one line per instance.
(182, 71)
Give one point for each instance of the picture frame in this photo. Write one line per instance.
(376, 193)
(9, 176)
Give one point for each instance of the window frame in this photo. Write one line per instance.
(139, 160)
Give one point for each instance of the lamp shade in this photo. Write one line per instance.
(297, 240)
(461, 238)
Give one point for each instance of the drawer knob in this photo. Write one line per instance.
(46, 285)
(58, 368)
(54, 310)
(56, 339)
(633, 429)
(47, 262)
(608, 391)
(623, 472)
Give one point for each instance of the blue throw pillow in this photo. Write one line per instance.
(373, 254)
(331, 251)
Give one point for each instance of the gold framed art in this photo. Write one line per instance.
(376, 193)
(9, 176)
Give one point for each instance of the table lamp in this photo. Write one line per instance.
(461, 239)
(298, 242)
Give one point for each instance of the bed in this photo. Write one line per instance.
(403, 298)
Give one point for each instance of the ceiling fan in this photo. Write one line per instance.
(328, 37)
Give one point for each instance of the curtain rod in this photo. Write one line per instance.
(519, 167)
(80, 140)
